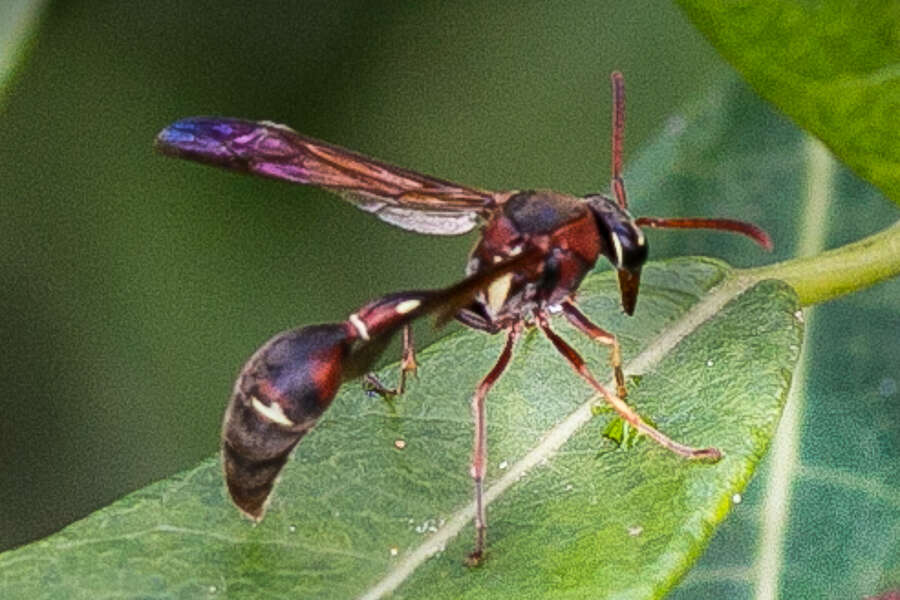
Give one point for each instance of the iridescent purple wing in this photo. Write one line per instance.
(398, 196)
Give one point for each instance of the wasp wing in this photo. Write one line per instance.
(398, 196)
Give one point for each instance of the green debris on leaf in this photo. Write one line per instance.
(622, 434)
(618, 430)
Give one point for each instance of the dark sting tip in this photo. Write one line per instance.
(251, 505)
(255, 514)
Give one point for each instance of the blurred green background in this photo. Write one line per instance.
(135, 286)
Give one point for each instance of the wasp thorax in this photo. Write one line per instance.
(541, 211)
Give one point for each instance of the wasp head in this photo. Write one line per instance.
(623, 244)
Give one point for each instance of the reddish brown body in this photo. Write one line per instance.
(562, 228)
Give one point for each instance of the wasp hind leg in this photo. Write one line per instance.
(408, 365)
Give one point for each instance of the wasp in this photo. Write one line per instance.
(534, 249)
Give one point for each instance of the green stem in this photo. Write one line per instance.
(840, 271)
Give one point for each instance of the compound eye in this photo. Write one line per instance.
(624, 243)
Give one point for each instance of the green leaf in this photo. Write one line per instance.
(353, 509)
(832, 65)
(18, 18)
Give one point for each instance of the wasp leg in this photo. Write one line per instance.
(625, 411)
(408, 365)
(586, 326)
(479, 452)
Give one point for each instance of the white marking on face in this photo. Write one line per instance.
(359, 325)
(272, 412)
(497, 292)
(515, 251)
(617, 249)
(408, 306)
(641, 241)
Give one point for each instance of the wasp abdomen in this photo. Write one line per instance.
(280, 394)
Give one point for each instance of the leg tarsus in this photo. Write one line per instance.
(373, 385)
(476, 557)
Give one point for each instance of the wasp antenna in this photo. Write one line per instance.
(618, 122)
(757, 234)
(618, 136)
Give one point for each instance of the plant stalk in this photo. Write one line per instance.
(839, 271)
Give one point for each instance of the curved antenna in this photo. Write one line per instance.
(757, 234)
(618, 137)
